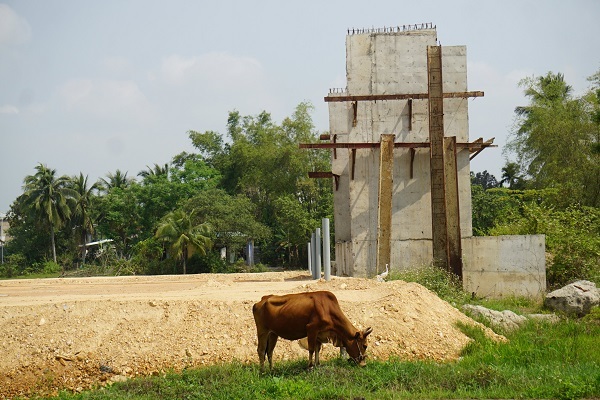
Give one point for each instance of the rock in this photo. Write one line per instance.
(505, 319)
(576, 298)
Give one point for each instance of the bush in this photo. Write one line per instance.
(572, 238)
(14, 265)
(50, 267)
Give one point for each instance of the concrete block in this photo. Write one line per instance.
(497, 266)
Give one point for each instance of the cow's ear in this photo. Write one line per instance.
(368, 331)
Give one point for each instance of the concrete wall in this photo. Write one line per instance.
(392, 63)
(496, 266)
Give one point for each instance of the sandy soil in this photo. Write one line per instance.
(76, 333)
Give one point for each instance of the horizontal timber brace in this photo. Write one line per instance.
(375, 97)
(475, 146)
(327, 174)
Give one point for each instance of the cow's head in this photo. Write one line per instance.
(357, 347)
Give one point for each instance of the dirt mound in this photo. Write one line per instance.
(76, 333)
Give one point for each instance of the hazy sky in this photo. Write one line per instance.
(96, 86)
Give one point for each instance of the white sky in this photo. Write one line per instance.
(96, 86)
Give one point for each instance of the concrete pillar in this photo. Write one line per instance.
(436, 160)
(386, 188)
(317, 264)
(309, 258)
(452, 207)
(326, 249)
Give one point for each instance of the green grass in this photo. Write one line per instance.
(560, 361)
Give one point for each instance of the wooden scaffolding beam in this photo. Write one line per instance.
(401, 96)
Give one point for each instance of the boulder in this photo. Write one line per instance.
(576, 298)
(504, 319)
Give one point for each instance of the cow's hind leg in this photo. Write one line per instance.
(263, 340)
(271, 342)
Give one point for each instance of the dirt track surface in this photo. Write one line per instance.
(76, 333)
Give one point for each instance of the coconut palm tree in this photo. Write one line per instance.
(511, 176)
(179, 231)
(156, 171)
(82, 211)
(117, 180)
(51, 198)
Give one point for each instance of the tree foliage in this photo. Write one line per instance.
(556, 138)
(50, 198)
(484, 179)
(183, 235)
(231, 217)
(241, 183)
(262, 161)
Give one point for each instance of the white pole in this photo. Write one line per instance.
(313, 255)
(326, 249)
(318, 252)
(309, 259)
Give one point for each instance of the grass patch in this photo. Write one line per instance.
(445, 284)
(560, 361)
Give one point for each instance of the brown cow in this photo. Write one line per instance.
(314, 315)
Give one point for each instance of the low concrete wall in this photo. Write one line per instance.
(493, 266)
(499, 266)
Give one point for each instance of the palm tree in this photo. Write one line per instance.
(82, 210)
(183, 235)
(156, 171)
(117, 180)
(511, 176)
(51, 198)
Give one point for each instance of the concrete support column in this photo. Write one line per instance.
(436, 161)
(386, 188)
(326, 249)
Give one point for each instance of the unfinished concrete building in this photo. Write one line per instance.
(400, 152)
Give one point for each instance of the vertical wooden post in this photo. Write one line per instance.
(384, 220)
(452, 207)
(436, 161)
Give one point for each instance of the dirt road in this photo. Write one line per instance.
(75, 333)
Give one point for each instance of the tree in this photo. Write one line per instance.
(156, 171)
(119, 217)
(183, 236)
(553, 139)
(232, 218)
(117, 180)
(484, 179)
(511, 175)
(51, 198)
(263, 162)
(82, 212)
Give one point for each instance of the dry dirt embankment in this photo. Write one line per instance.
(75, 333)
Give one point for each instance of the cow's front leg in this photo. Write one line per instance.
(272, 341)
(312, 344)
(317, 351)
